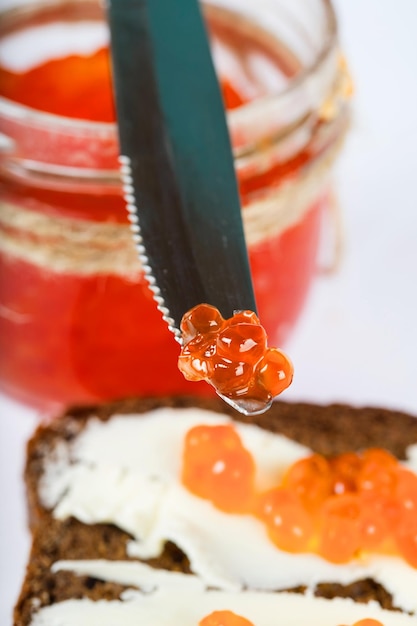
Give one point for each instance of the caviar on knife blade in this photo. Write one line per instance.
(233, 356)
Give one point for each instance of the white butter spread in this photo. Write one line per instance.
(126, 471)
(173, 599)
(412, 458)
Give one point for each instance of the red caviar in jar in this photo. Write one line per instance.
(224, 618)
(41, 88)
(232, 98)
(93, 351)
(233, 356)
(217, 467)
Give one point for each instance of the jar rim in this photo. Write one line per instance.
(20, 112)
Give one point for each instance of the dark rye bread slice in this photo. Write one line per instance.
(325, 429)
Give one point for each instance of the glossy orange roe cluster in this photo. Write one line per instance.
(228, 618)
(217, 467)
(334, 507)
(232, 355)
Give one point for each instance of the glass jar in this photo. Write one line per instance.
(77, 321)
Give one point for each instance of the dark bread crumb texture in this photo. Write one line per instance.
(328, 430)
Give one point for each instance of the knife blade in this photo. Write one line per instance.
(176, 159)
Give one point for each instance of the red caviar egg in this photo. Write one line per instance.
(224, 618)
(289, 525)
(230, 377)
(195, 359)
(275, 371)
(368, 621)
(203, 346)
(406, 539)
(216, 466)
(374, 521)
(242, 342)
(202, 319)
(340, 528)
(378, 472)
(345, 468)
(310, 480)
(406, 492)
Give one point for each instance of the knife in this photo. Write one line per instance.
(176, 159)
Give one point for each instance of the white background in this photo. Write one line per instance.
(357, 340)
